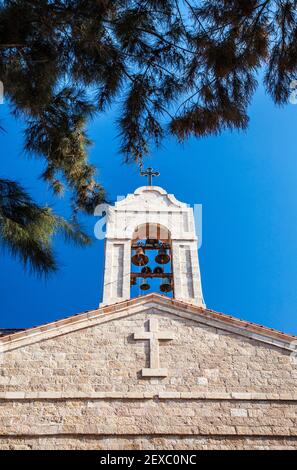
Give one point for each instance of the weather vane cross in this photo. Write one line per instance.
(150, 173)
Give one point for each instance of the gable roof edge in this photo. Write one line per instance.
(158, 302)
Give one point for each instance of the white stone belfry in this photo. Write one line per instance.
(151, 206)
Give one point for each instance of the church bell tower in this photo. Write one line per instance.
(151, 246)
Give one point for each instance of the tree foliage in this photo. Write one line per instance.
(185, 67)
(26, 229)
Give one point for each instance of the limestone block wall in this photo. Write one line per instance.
(147, 442)
(84, 389)
(107, 358)
(168, 423)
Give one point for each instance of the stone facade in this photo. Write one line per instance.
(79, 384)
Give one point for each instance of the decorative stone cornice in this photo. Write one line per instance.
(163, 395)
(152, 189)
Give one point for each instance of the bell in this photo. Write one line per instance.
(133, 281)
(166, 285)
(144, 285)
(162, 256)
(146, 270)
(158, 270)
(139, 259)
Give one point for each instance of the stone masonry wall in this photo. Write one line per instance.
(107, 358)
(85, 390)
(148, 443)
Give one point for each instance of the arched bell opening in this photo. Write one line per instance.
(151, 261)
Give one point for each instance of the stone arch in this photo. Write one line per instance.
(143, 221)
(151, 230)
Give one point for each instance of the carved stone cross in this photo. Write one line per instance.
(154, 336)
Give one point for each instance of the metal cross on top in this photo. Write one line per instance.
(154, 336)
(150, 173)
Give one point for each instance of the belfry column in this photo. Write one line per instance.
(186, 272)
(116, 271)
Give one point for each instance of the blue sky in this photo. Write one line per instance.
(246, 182)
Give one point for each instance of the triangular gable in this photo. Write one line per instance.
(150, 302)
(150, 197)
